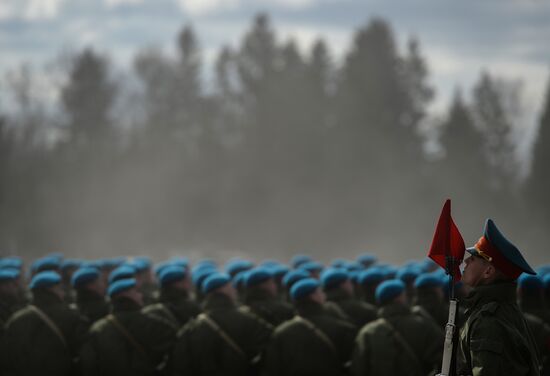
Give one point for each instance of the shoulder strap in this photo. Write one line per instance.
(203, 317)
(122, 330)
(318, 332)
(49, 323)
(248, 311)
(399, 338)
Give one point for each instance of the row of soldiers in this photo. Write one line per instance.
(124, 317)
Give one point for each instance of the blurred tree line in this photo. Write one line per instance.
(281, 152)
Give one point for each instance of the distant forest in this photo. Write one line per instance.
(281, 152)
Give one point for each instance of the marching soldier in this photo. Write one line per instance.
(222, 340)
(338, 288)
(90, 293)
(261, 298)
(400, 342)
(126, 342)
(175, 308)
(44, 337)
(495, 338)
(314, 342)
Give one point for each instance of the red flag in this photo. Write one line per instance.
(447, 241)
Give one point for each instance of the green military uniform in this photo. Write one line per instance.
(399, 343)
(269, 308)
(429, 302)
(541, 333)
(359, 313)
(175, 308)
(126, 343)
(495, 338)
(299, 349)
(203, 350)
(91, 305)
(44, 345)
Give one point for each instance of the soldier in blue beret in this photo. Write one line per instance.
(367, 260)
(399, 342)
(367, 281)
(90, 293)
(313, 267)
(495, 338)
(222, 340)
(291, 278)
(338, 288)
(67, 268)
(126, 342)
(315, 342)
(44, 337)
(261, 300)
(9, 297)
(298, 260)
(175, 307)
(429, 298)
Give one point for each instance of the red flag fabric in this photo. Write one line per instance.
(447, 241)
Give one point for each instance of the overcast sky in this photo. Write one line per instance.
(510, 38)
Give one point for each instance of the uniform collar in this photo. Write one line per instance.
(218, 301)
(308, 308)
(504, 292)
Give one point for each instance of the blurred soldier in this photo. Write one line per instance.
(531, 296)
(408, 275)
(367, 260)
(90, 293)
(261, 298)
(9, 297)
(144, 278)
(222, 340)
(429, 298)
(175, 308)
(44, 337)
(339, 292)
(495, 338)
(291, 278)
(314, 268)
(541, 334)
(314, 342)
(400, 342)
(367, 282)
(126, 342)
(67, 269)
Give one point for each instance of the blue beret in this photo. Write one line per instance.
(389, 290)
(46, 263)
(530, 282)
(294, 276)
(11, 262)
(371, 276)
(279, 270)
(408, 274)
(235, 266)
(121, 285)
(354, 275)
(215, 281)
(70, 263)
(505, 255)
(84, 276)
(113, 262)
(269, 263)
(122, 272)
(256, 276)
(428, 280)
(161, 266)
(181, 261)
(298, 260)
(238, 279)
(546, 281)
(355, 266)
(8, 275)
(204, 263)
(199, 276)
(333, 276)
(45, 279)
(171, 274)
(339, 263)
(140, 264)
(92, 264)
(303, 288)
(366, 259)
(311, 266)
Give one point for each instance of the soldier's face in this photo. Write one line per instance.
(477, 271)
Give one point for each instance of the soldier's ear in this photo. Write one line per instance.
(490, 272)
